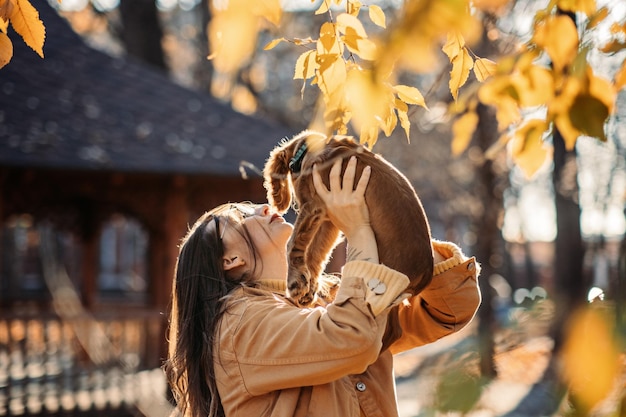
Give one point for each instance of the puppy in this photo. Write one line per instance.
(396, 213)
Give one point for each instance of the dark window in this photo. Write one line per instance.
(123, 248)
(31, 254)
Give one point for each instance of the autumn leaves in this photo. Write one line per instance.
(357, 72)
(550, 72)
(24, 19)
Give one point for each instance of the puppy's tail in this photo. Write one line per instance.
(276, 179)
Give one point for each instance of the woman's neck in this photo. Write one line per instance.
(275, 268)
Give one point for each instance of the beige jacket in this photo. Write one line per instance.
(275, 359)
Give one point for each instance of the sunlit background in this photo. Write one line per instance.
(84, 351)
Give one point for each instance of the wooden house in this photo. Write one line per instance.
(103, 165)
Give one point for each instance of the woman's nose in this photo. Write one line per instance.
(262, 210)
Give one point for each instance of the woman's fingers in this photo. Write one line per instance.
(363, 181)
(349, 174)
(335, 176)
(335, 179)
(320, 188)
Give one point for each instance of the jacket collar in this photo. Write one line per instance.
(278, 286)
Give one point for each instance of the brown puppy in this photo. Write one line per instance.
(396, 213)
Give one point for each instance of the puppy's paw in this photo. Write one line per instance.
(328, 286)
(298, 286)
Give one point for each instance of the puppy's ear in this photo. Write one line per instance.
(276, 177)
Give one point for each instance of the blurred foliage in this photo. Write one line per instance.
(458, 390)
(591, 356)
(357, 74)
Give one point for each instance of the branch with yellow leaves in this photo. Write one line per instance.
(356, 74)
(24, 19)
(576, 100)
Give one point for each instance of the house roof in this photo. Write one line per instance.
(79, 108)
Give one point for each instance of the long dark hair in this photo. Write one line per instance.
(199, 291)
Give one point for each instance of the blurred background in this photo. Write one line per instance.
(124, 134)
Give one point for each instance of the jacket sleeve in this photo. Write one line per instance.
(446, 306)
(278, 346)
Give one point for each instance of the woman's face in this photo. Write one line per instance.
(268, 230)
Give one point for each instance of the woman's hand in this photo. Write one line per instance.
(347, 208)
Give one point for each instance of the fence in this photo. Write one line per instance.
(84, 365)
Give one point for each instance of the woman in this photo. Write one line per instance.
(239, 347)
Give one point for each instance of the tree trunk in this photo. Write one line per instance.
(620, 293)
(489, 240)
(141, 31)
(204, 70)
(570, 286)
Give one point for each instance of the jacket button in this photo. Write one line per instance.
(360, 386)
(376, 286)
(470, 266)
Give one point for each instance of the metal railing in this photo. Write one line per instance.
(83, 364)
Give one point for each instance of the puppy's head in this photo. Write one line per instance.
(284, 165)
(276, 174)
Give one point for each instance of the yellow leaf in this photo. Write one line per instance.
(528, 150)
(567, 130)
(613, 46)
(25, 21)
(462, 132)
(561, 49)
(617, 29)
(324, 7)
(570, 89)
(454, 44)
(588, 7)
(6, 49)
(232, 36)
(327, 43)
(243, 100)
(273, 44)
(507, 113)
(410, 95)
(403, 115)
(597, 17)
(367, 49)
(484, 68)
(588, 115)
(364, 48)
(346, 21)
(324, 62)
(583, 106)
(461, 66)
(502, 94)
(353, 7)
(590, 356)
(620, 77)
(6, 9)
(368, 101)
(377, 16)
(534, 85)
(601, 89)
(331, 76)
(4, 25)
(268, 9)
(336, 115)
(305, 65)
(369, 136)
(351, 39)
(389, 123)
